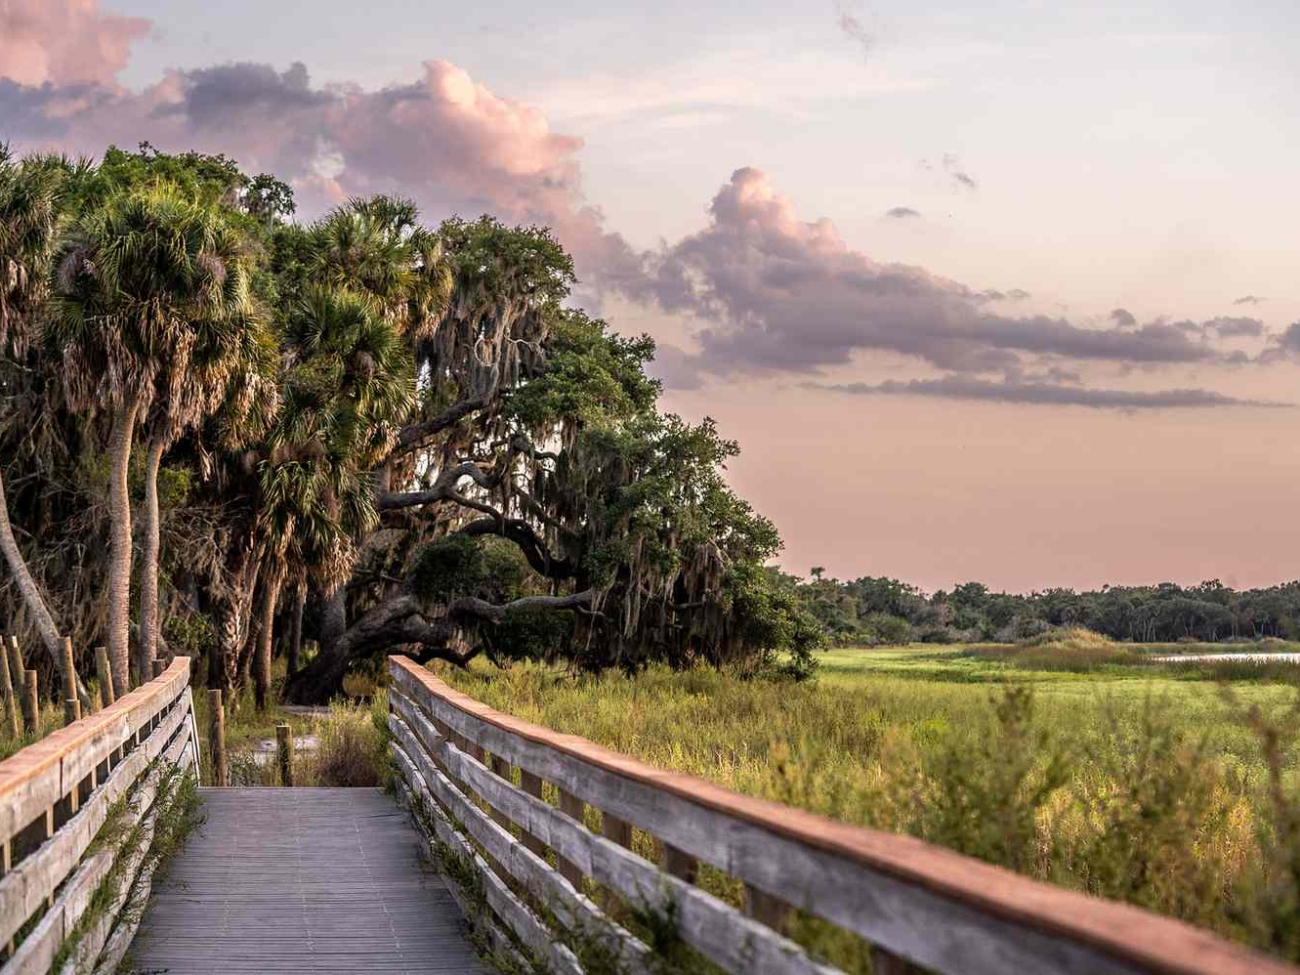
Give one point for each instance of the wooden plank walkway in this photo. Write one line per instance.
(301, 880)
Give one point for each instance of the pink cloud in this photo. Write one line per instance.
(63, 41)
(445, 140)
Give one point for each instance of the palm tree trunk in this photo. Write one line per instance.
(32, 597)
(148, 643)
(295, 628)
(265, 640)
(119, 551)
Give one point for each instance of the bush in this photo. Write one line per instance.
(883, 629)
(354, 744)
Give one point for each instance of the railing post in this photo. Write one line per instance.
(105, 674)
(31, 703)
(572, 807)
(71, 705)
(681, 865)
(532, 784)
(11, 696)
(217, 736)
(16, 661)
(284, 749)
(883, 963)
(763, 907)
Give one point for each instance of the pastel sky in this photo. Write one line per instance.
(997, 290)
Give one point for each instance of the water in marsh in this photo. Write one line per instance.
(1263, 658)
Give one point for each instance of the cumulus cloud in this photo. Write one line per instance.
(774, 293)
(1038, 393)
(443, 139)
(781, 294)
(64, 41)
(902, 213)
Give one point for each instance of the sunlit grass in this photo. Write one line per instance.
(1136, 782)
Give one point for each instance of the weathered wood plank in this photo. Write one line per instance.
(574, 910)
(43, 773)
(513, 912)
(311, 880)
(24, 889)
(928, 905)
(714, 928)
(36, 953)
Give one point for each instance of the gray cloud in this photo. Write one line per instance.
(1226, 327)
(901, 213)
(1123, 318)
(1036, 393)
(1250, 300)
(959, 176)
(214, 95)
(854, 29)
(779, 294)
(1283, 347)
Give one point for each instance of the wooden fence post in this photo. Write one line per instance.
(217, 737)
(71, 705)
(11, 695)
(532, 784)
(16, 663)
(31, 703)
(284, 750)
(681, 865)
(105, 674)
(572, 807)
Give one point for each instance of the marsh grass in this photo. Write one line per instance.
(51, 719)
(351, 752)
(1161, 792)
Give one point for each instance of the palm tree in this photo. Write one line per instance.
(348, 387)
(153, 317)
(30, 221)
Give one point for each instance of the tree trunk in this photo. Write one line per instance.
(265, 640)
(32, 597)
(148, 643)
(295, 628)
(119, 564)
(230, 605)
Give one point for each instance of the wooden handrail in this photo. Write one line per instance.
(47, 769)
(55, 797)
(1118, 936)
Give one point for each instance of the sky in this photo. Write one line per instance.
(1003, 291)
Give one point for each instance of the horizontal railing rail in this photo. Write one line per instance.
(56, 798)
(477, 779)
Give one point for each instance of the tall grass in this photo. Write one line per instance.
(1173, 801)
(350, 743)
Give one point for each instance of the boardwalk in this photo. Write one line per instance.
(301, 880)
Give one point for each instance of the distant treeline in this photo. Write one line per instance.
(886, 611)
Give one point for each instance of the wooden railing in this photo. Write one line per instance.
(62, 894)
(477, 780)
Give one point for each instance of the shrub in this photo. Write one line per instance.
(353, 745)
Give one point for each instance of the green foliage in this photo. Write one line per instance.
(593, 376)
(532, 634)
(459, 565)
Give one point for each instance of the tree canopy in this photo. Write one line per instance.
(388, 435)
